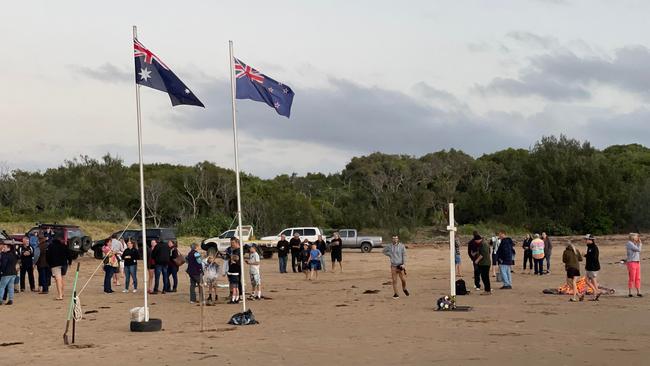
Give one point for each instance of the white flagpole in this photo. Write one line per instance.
(236, 143)
(142, 208)
(452, 251)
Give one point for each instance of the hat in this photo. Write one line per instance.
(589, 237)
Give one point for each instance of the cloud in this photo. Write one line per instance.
(563, 75)
(106, 72)
(532, 39)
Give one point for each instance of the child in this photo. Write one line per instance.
(210, 275)
(314, 262)
(254, 270)
(304, 258)
(234, 272)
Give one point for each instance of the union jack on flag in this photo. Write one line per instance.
(152, 72)
(252, 84)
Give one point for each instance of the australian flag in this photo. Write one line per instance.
(251, 84)
(152, 72)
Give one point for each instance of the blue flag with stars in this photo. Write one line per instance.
(152, 72)
(251, 84)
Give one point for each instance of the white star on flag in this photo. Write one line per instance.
(270, 90)
(145, 74)
(276, 105)
(285, 91)
(187, 91)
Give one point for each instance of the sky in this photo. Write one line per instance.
(408, 77)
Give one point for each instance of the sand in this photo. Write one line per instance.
(332, 322)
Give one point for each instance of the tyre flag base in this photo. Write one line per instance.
(153, 325)
(245, 318)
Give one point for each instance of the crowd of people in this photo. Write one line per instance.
(50, 257)
(499, 253)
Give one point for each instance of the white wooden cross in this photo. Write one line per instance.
(452, 251)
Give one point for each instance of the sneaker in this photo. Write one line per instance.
(395, 296)
(192, 302)
(630, 295)
(135, 290)
(639, 295)
(153, 293)
(125, 290)
(406, 292)
(10, 302)
(162, 293)
(486, 293)
(477, 288)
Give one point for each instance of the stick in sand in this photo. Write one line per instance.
(74, 293)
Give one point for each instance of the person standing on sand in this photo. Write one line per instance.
(571, 258)
(8, 261)
(111, 265)
(457, 260)
(473, 247)
(528, 253)
(322, 247)
(548, 249)
(172, 268)
(130, 257)
(194, 271)
(58, 257)
(633, 248)
(336, 249)
(303, 258)
(283, 253)
(295, 246)
(483, 262)
(26, 255)
(314, 262)
(494, 243)
(504, 258)
(537, 250)
(254, 272)
(397, 254)
(44, 271)
(161, 254)
(592, 266)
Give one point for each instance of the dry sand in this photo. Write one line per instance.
(331, 321)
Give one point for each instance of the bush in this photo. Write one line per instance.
(207, 227)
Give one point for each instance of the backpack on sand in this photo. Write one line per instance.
(461, 289)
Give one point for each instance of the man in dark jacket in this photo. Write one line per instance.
(283, 253)
(26, 255)
(592, 265)
(321, 245)
(58, 258)
(161, 257)
(194, 270)
(8, 260)
(295, 244)
(505, 255)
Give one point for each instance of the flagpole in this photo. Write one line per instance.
(142, 203)
(452, 252)
(236, 143)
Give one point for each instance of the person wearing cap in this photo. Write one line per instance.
(592, 265)
(483, 261)
(8, 260)
(633, 248)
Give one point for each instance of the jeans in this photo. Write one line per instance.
(528, 258)
(26, 271)
(322, 263)
(539, 266)
(547, 255)
(194, 283)
(477, 276)
(172, 271)
(131, 271)
(506, 276)
(44, 278)
(161, 269)
(109, 271)
(485, 276)
(7, 284)
(282, 261)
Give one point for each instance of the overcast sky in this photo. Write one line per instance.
(398, 77)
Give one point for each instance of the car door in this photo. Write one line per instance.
(344, 238)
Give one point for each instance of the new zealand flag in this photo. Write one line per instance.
(152, 72)
(261, 88)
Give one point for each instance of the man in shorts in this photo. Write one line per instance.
(397, 254)
(254, 271)
(336, 249)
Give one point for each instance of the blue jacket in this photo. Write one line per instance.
(506, 251)
(33, 242)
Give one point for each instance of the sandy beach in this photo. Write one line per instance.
(332, 322)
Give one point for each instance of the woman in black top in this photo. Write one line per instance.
(26, 255)
(592, 266)
(130, 257)
(528, 253)
(336, 246)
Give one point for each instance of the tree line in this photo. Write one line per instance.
(560, 185)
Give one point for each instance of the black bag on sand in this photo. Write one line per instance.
(245, 318)
(461, 289)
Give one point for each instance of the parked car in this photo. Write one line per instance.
(351, 239)
(71, 235)
(161, 235)
(222, 242)
(7, 239)
(309, 233)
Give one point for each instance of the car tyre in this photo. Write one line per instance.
(153, 325)
(366, 248)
